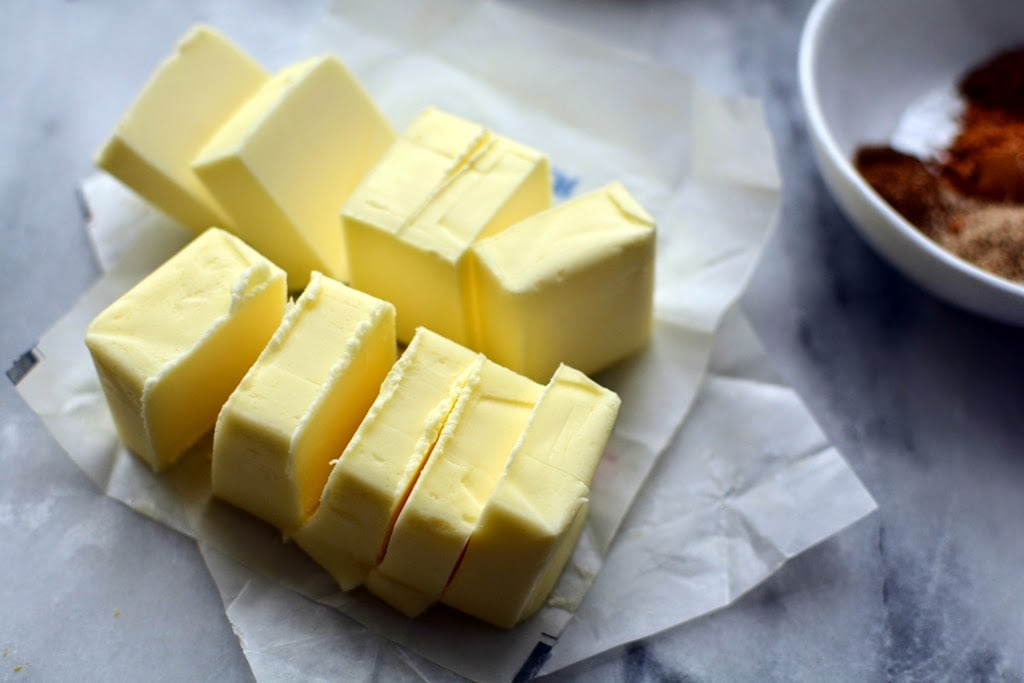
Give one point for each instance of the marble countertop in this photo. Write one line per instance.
(920, 397)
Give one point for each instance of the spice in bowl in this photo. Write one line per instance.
(969, 197)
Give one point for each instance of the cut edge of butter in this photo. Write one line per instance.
(255, 281)
(441, 511)
(408, 599)
(381, 320)
(251, 284)
(520, 539)
(350, 528)
(368, 354)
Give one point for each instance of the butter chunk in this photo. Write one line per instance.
(171, 350)
(530, 524)
(442, 510)
(191, 94)
(302, 400)
(370, 481)
(408, 227)
(284, 164)
(574, 285)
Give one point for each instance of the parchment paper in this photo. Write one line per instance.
(747, 483)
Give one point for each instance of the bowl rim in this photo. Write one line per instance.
(810, 42)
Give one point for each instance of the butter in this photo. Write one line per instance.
(409, 225)
(371, 479)
(442, 510)
(191, 94)
(284, 164)
(573, 284)
(301, 401)
(530, 524)
(171, 350)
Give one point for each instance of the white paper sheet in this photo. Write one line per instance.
(725, 506)
(733, 498)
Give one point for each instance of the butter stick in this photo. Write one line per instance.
(456, 482)
(173, 348)
(573, 284)
(445, 183)
(530, 524)
(372, 477)
(186, 100)
(287, 160)
(302, 400)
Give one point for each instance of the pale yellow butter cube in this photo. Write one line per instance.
(370, 481)
(408, 227)
(191, 94)
(574, 285)
(530, 525)
(285, 163)
(302, 400)
(442, 510)
(173, 348)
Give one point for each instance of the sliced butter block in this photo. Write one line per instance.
(191, 94)
(574, 285)
(443, 508)
(408, 226)
(530, 524)
(370, 481)
(302, 400)
(173, 348)
(284, 164)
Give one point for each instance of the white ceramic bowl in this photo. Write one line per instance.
(862, 62)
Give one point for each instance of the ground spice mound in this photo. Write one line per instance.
(987, 158)
(997, 83)
(991, 237)
(970, 199)
(907, 184)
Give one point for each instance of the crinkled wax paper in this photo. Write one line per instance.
(744, 478)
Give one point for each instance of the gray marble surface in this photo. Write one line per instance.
(923, 399)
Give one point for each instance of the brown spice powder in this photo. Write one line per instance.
(971, 199)
(986, 160)
(907, 184)
(990, 237)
